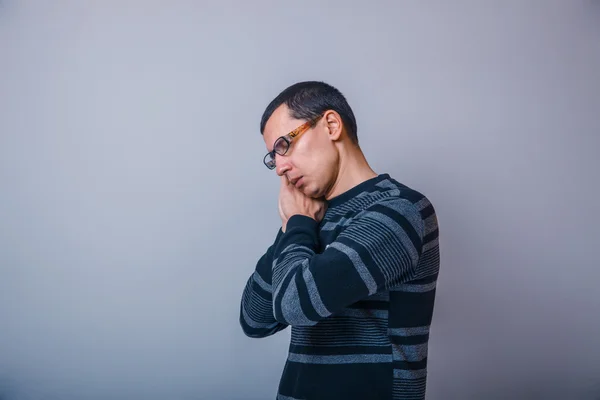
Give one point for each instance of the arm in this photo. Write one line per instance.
(256, 309)
(378, 250)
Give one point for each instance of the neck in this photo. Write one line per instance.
(353, 170)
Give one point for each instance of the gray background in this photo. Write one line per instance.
(134, 202)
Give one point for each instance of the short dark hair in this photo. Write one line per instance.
(309, 99)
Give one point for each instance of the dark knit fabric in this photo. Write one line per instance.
(358, 291)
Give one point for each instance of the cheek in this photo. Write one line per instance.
(322, 167)
(314, 159)
(304, 157)
(315, 164)
(326, 158)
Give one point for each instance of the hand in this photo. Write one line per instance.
(292, 202)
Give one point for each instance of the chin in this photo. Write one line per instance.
(311, 192)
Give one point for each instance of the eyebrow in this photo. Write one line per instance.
(273, 144)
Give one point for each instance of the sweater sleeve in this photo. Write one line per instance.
(256, 309)
(379, 249)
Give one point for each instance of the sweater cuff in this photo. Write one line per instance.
(301, 221)
(301, 229)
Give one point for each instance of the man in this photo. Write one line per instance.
(353, 269)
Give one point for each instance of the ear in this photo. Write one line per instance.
(334, 124)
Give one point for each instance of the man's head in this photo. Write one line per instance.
(327, 125)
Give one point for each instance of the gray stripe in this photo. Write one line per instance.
(275, 294)
(340, 358)
(313, 293)
(427, 270)
(417, 330)
(408, 211)
(295, 247)
(409, 389)
(410, 353)
(381, 254)
(387, 250)
(329, 226)
(305, 251)
(283, 269)
(430, 224)
(358, 264)
(390, 255)
(400, 233)
(410, 374)
(259, 308)
(346, 332)
(422, 204)
(283, 265)
(386, 183)
(290, 306)
(429, 264)
(412, 288)
(293, 252)
(257, 325)
(431, 244)
(370, 341)
(261, 282)
(376, 336)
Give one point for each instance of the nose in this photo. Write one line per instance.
(282, 164)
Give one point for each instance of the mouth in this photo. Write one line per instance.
(297, 182)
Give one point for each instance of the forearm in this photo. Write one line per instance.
(295, 298)
(375, 252)
(256, 309)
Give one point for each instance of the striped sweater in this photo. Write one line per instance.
(358, 291)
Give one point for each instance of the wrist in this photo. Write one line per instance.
(301, 220)
(301, 229)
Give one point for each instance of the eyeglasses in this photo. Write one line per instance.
(282, 144)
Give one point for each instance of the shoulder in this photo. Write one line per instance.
(392, 189)
(401, 204)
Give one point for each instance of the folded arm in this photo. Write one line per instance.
(378, 250)
(256, 309)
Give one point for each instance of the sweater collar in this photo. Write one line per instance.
(356, 190)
